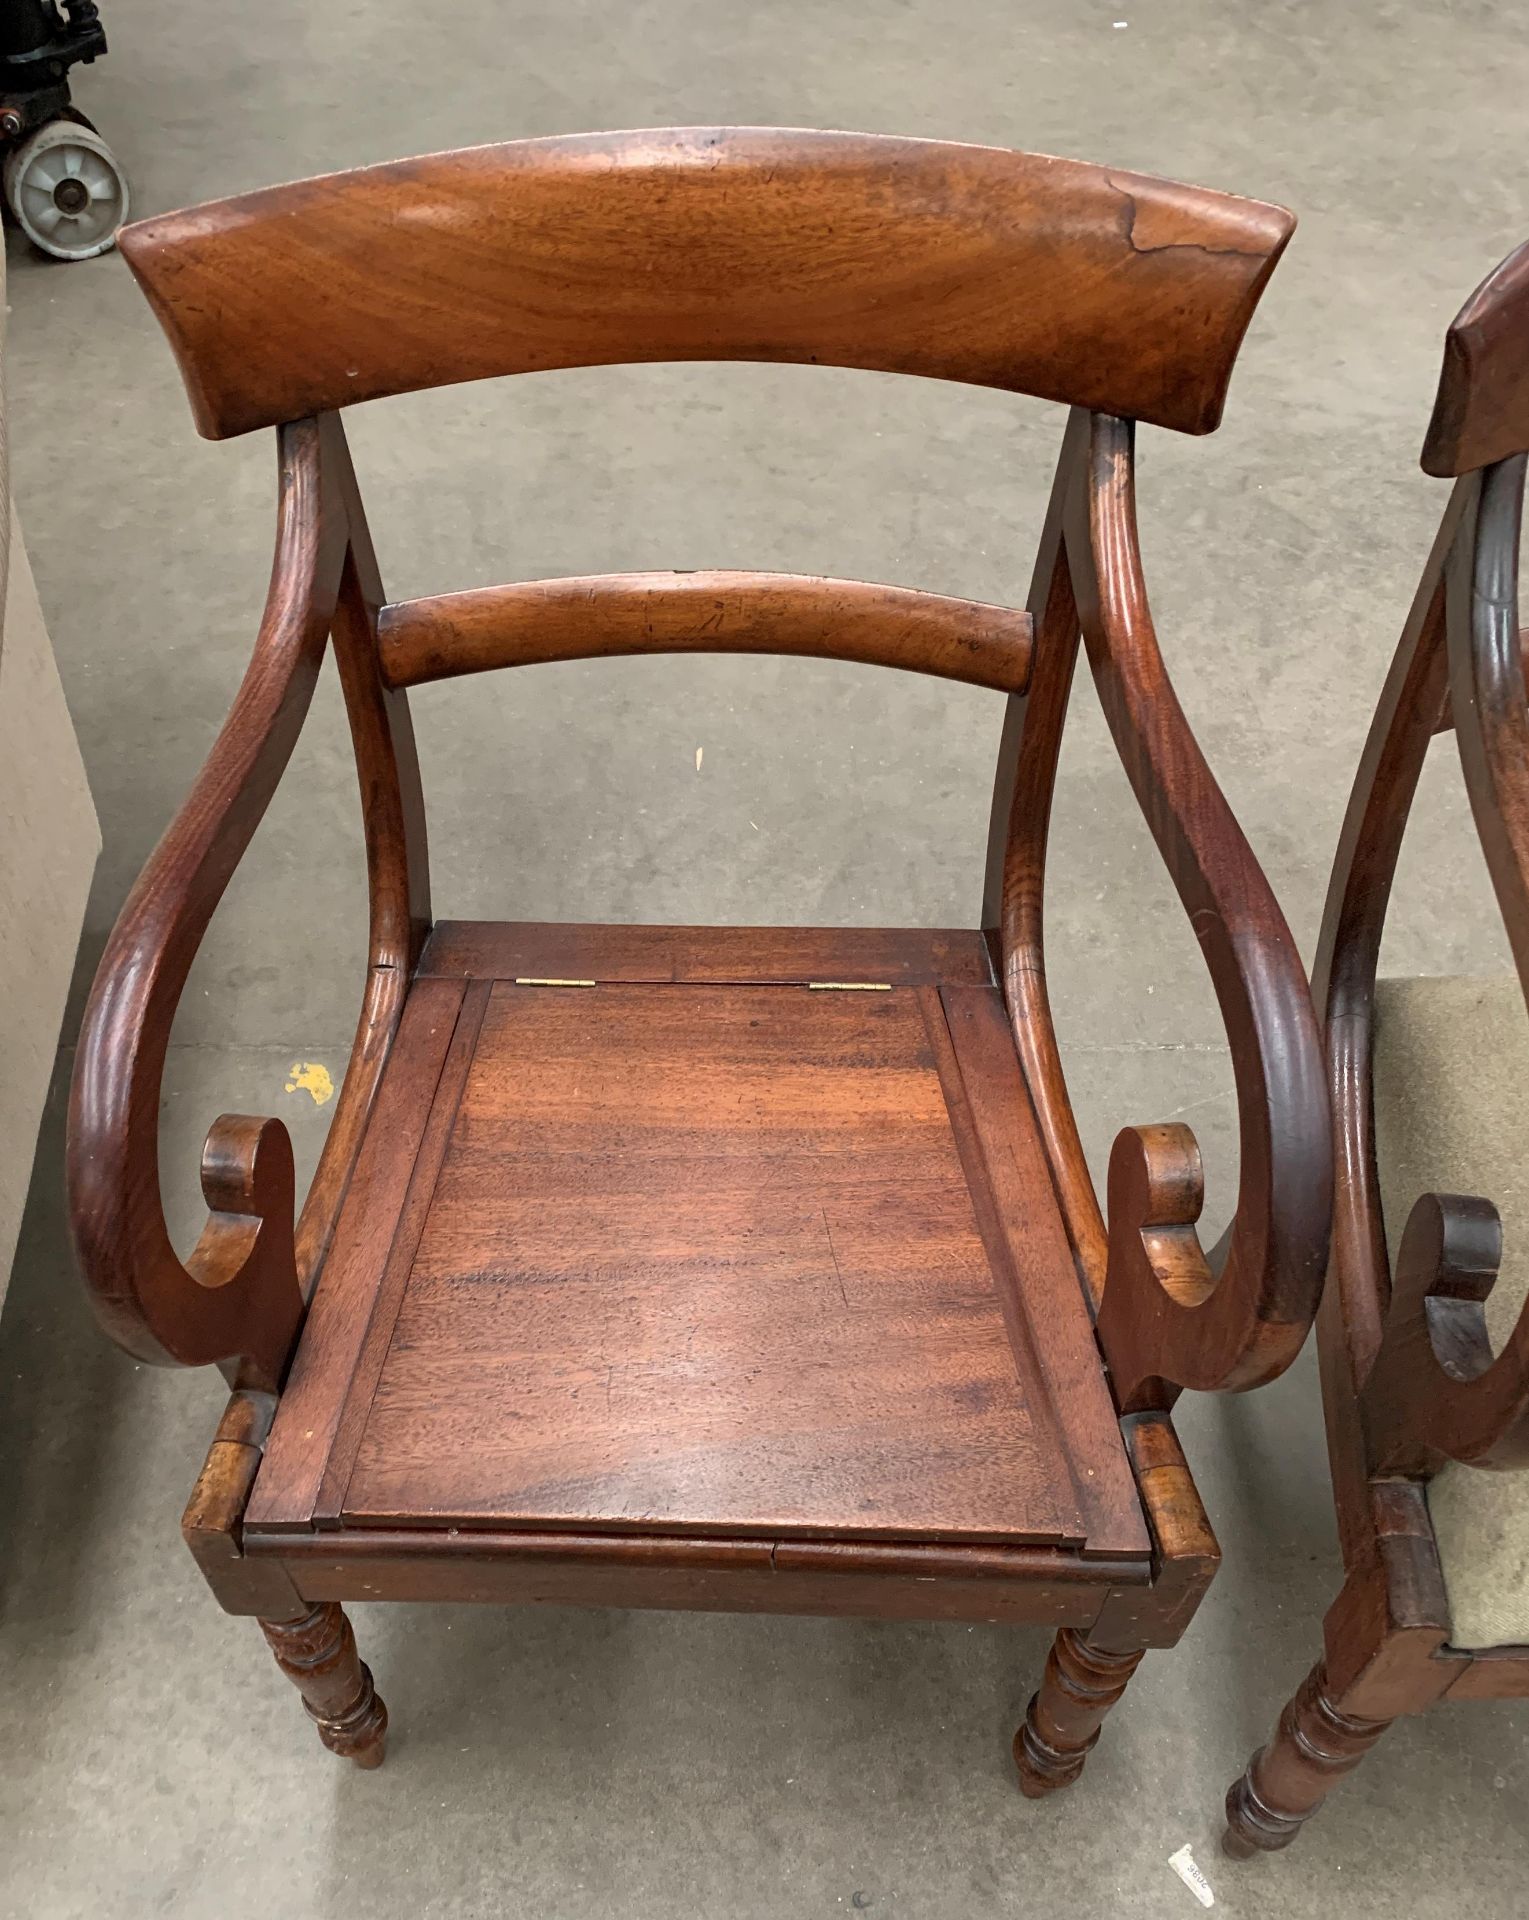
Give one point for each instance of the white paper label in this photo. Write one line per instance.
(1183, 1864)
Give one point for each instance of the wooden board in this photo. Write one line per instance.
(338, 1317)
(688, 1255)
(1036, 1586)
(1084, 284)
(542, 949)
(601, 616)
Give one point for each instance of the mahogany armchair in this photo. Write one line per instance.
(1424, 1350)
(751, 1268)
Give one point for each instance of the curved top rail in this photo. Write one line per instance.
(1481, 414)
(1078, 283)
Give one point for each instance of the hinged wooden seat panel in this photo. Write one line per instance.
(704, 1254)
(709, 1258)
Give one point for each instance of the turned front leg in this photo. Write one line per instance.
(1314, 1746)
(318, 1655)
(1080, 1685)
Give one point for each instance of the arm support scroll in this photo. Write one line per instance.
(1171, 1317)
(237, 1300)
(1435, 1392)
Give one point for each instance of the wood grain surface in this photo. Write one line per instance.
(1481, 414)
(1043, 1295)
(716, 956)
(237, 1300)
(758, 1272)
(1074, 282)
(834, 1579)
(308, 1414)
(1169, 1317)
(706, 1258)
(1410, 1377)
(605, 615)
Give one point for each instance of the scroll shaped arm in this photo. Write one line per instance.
(237, 1300)
(1435, 1391)
(1170, 1317)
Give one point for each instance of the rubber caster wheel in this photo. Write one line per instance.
(66, 190)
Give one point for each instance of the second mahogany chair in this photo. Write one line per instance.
(751, 1268)
(1424, 1349)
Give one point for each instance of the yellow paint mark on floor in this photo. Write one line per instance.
(308, 1076)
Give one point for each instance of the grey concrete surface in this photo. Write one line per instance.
(583, 1764)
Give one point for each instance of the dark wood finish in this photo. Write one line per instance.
(760, 1271)
(318, 1655)
(212, 1525)
(1084, 284)
(237, 1301)
(397, 858)
(1013, 906)
(338, 1319)
(1086, 1674)
(425, 1172)
(1062, 1722)
(1168, 1316)
(1408, 1377)
(726, 956)
(1170, 1320)
(1481, 414)
(668, 1271)
(606, 615)
(1185, 1555)
(1314, 1746)
(1043, 1301)
(1436, 1391)
(862, 1579)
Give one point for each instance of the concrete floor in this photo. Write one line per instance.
(588, 1764)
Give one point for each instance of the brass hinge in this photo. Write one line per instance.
(849, 986)
(528, 980)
